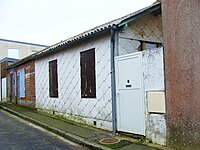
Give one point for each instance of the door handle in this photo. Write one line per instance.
(117, 94)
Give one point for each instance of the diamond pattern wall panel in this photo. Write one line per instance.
(69, 82)
(148, 27)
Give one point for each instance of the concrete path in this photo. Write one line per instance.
(74, 132)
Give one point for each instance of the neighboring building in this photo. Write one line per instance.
(21, 84)
(111, 77)
(181, 24)
(3, 72)
(10, 52)
(18, 50)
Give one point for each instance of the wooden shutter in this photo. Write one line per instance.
(53, 79)
(88, 80)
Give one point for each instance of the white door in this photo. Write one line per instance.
(3, 86)
(130, 97)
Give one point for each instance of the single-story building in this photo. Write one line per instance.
(111, 76)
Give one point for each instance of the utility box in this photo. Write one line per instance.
(156, 102)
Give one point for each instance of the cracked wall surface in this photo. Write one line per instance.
(153, 68)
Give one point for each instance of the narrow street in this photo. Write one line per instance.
(15, 135)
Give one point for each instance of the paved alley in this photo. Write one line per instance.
(15, 135)
(78, 133)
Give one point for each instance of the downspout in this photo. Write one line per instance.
(15, 74)
(113, 85)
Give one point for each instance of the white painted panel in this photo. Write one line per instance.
(3, 85)
(130, 100)
(131, 112)
(128, 72)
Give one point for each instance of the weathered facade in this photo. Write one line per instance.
(141, 34)
(153, 66)
(21, 84)
(106, 76)
(181, 39)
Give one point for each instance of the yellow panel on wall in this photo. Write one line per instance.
(156, 102)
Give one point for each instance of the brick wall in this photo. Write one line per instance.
(29, 99)
(3, 71)
(10, 86)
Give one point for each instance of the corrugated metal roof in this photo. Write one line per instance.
(95, 31)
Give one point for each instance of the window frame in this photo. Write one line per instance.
(88, 73)
(53, 79)
(22, 83)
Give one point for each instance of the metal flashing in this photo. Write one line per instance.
(8, 59)
(5, 40)
(140, 14)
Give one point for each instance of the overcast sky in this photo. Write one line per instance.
(50, 21)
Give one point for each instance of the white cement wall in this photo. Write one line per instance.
(69, 103)
(153, 68)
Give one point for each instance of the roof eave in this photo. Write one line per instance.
(151, 9)
(60, 47)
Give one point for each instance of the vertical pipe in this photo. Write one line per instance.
(0, 84)
(113, 86)
(15, 76)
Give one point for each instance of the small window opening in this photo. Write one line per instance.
(88, 79)
(53, 79)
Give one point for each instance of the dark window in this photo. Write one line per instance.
(150, 45)
(88, 81)
(53, 79)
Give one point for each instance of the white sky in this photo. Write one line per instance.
(50, 21)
